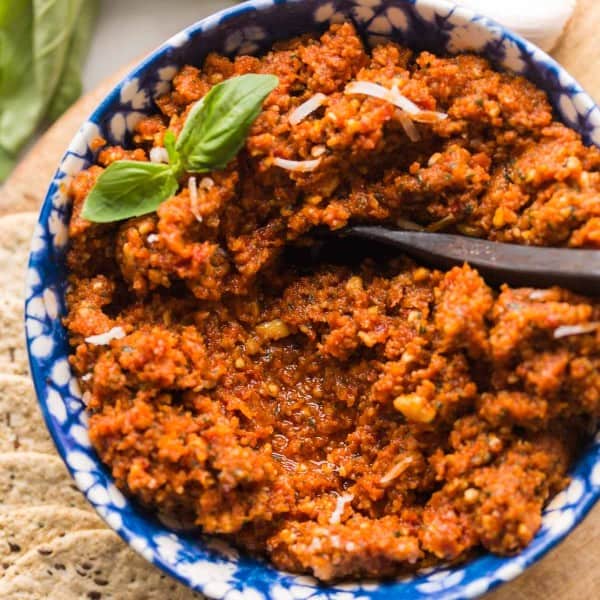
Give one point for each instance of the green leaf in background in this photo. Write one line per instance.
(20, 105)
(129, 188)
(6, 163)
(53, 25)
(217, 127)
(69, 86)
(36, 37)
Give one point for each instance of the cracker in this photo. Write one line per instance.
(14, 361)
(12, 341)
(12, 275)
(12, 323)
(16, 232)
(22, 427)
(29, 478)
(24, 528)
(88, 564)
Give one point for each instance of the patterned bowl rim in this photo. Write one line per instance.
(509, 568)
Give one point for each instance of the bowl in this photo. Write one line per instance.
(205, 564)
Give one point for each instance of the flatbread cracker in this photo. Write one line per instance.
(12, 323)
(14, 361)
(12, 340)
(16, 232)
(12, 275)
(24, 528)
(89, 564)
(22, 427)
(30, 478)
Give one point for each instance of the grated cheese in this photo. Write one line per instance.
(159, 155)
(340, 505)
(299, 166)
(307, 108)
(568, 330)
(103, 339)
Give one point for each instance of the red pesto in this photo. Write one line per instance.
(344, 421)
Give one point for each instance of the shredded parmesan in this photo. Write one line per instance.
(396, 470)
(568, 330)
(403, 102)
(206, 183)
(429, 116)
(307, 108)
(369, 88)
(159, 155)
(340, 505)
(409, 127)
(103, 339)
(193, 189)
(298, 166)
(540, 295)
(537, 295)
(152, 238)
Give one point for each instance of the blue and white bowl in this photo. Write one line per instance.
(208, 565)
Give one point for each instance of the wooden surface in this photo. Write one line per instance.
(569, 572)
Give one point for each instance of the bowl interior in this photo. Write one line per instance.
(207, 564)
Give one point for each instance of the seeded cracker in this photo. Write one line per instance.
(24, 528)
(16, 232)
(22, 427)
(30, 478)
(84, 565)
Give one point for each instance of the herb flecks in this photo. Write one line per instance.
(213, 133)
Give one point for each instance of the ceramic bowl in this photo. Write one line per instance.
(205, 564)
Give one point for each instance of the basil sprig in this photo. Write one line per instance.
(213, 133)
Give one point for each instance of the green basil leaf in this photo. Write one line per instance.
(53, 24)
(129, 188)
(174, 157)
(217, 126)
(69, 87)
(20, 104)
(36, 43)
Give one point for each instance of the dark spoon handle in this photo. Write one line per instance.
(578, 270)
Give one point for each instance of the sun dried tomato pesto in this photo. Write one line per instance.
(344, 420)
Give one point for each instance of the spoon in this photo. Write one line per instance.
(530, 266)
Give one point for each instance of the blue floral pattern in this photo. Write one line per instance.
(205, 564)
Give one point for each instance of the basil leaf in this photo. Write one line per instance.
(129, 188)
(53, 24)
(217, 126)
(174, 156)
(36, 43)
(212, 135)
(20, 105)
(69, 87)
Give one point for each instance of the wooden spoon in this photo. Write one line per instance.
(531, 266)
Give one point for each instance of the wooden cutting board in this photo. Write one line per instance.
(569, 572)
